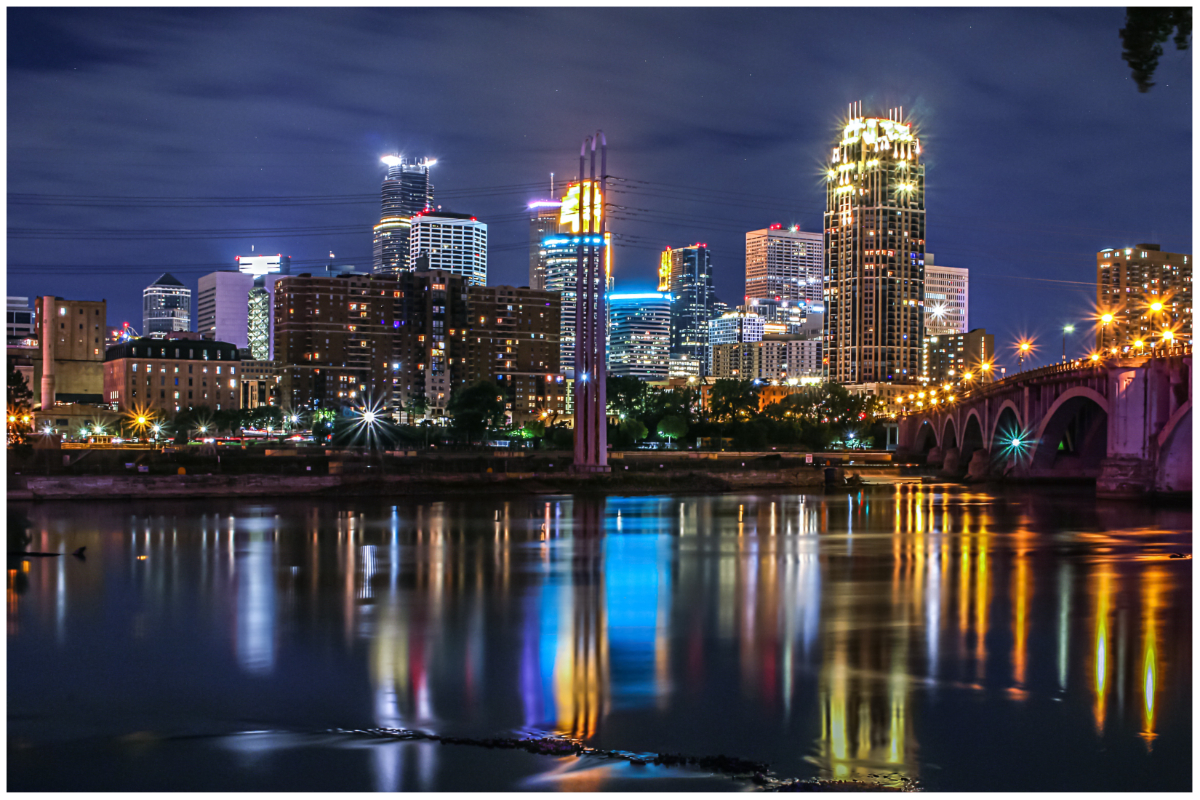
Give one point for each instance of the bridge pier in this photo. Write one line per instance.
(981, 462)
(1125, 478)
(950, 465)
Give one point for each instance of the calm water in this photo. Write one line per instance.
(1026, 640)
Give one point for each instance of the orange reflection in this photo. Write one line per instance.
(1103, 594)
(1153, 586)
(1022, 593)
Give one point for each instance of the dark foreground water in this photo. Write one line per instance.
(1024, 640)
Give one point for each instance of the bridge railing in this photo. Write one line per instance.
(1078, 365)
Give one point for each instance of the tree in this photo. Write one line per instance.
(476, 408)
(635, 428)
(20, 412)
(626, 395)
(672, 427)
(731, 399)
(1142, 37)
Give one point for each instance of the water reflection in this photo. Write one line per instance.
(832, 624)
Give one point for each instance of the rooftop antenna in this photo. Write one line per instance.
(551, 185)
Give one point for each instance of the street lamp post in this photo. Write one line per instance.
(1022, 349)
(1105, 319)
(1066, 329)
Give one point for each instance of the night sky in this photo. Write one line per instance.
(181, 137)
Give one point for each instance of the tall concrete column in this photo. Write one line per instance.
(1128, 471)
(48, 338)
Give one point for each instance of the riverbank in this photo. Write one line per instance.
(130, 487)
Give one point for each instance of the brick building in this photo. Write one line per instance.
(513, 339)
(172, 375)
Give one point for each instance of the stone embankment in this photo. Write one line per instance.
(151, 487)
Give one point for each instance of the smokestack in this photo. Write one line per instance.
(48, 339)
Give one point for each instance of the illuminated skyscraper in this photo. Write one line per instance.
(560, 253)
(406, 192)
(543, 223)
(1147, 291)
(686, 272)
(639, 333)
(166, 307)
(454, 242)
(875, 252)
(784, 263)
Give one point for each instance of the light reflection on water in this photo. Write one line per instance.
(908, 631)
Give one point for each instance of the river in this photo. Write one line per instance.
(965, 639)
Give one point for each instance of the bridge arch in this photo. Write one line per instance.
(1072, 437)
(949, 434)
(1005, 424)
(972, 436)
(1174, 473)
(926, 437)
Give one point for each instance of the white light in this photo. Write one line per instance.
(392, 161)
(583, 378)
(369, 416)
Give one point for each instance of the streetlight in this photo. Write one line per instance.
(1066, 329)
(1167, 336)
(1105, 318)
(1022, 349)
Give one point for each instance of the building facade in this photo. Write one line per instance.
(1147, 291)
(946, 295)
(733, 327)
(455, 243)
(70, 350)
(951, 356)
(393, 342)
(171, 376)
(406, 192)
(686, 272)
(543, 223)
(875, 252)
(639, 335)
(19, 320)
(166, 307)
(784, 263)
(222, 308)
(512, 339)
(778, 358)
(787, 317)
(259, 382)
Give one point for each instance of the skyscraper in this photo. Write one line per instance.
(407, 191)
(639, 334)
(784, 263)
(945, 299)
(453, 242)
(166, 307)
(1147, 291)
(560, 253)
(543, 223)
(222, 307)
(875, 252)
(686, 272)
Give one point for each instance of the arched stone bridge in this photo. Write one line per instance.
(1126, 422)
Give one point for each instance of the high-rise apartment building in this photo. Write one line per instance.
(686, 273)
(406, 192)
(946, 290)
(512, 339)
(70, 350)
(221, 307)
(394, 341)
(1147, 291)
(639, 335)
(777, 358)
(166, 307)
(950, 356)
(543, 223)
(875, 252)
(784, 263)
(787, 317)
(457, 243)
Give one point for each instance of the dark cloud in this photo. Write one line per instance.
(1039, 149)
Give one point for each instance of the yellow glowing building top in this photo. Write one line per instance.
(664, 271)
(581, 191)
(873, 129)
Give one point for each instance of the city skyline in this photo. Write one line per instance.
(1007, 133)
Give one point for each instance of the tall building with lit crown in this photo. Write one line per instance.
(784, 263)
(686, 273)
(166, 307)
(559, 252)
(1147, 292)
(448, 241)
(406, 191)
(875, 252)
(639, 335)
(946, 295)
